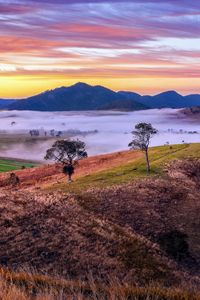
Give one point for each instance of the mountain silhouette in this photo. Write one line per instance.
(82, 96)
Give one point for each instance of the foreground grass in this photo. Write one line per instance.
(27, 286)
(159, 156)
(7, 165)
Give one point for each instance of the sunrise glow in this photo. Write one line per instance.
(143, 46)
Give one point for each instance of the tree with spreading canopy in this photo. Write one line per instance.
(141, 139)
(68, 152)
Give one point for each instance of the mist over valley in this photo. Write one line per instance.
(28, 134)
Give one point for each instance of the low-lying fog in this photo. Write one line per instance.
(103, 132)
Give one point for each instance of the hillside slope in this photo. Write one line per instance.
(164, 210)
(53, 233)
(112, 223)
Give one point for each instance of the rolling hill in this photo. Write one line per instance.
(113, 230)
(81, 96)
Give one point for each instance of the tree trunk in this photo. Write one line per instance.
(69, 178)
(147, 160)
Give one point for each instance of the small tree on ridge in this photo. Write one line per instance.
(141, 138)
(67, 152)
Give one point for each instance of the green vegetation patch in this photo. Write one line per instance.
(7, 165)
(159, 156)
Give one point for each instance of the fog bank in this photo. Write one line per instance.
(103, 132)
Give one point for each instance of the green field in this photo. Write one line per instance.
(159, 156)
(7, 165)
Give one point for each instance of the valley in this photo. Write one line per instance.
(28, 134)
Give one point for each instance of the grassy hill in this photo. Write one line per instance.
(127, 166)
(114, 233)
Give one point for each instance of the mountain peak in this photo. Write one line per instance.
(169, 93)
(81, 85)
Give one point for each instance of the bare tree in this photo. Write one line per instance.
(141, 138)
(68, 152)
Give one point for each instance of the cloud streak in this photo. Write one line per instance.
(110, 39)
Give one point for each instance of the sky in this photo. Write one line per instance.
(146, 46)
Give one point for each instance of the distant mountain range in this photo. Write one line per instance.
(5, 103)
(81, 96)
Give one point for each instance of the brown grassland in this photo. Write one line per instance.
(114, 233)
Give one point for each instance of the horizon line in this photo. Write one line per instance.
(116, 91)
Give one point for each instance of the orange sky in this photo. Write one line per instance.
(21, 87)
(142, 46)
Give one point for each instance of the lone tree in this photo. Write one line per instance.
(68, 152)
(141, 138)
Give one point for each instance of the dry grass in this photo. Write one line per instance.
(154, 207)
(112, 232)
(29, 286)
(53, 233)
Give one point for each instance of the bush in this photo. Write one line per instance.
(174, 243)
